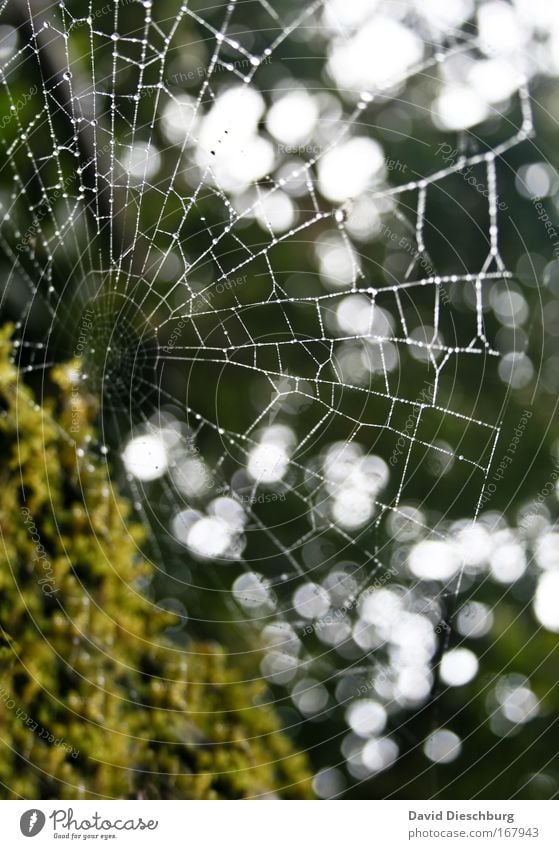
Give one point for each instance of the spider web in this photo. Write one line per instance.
(102, 205)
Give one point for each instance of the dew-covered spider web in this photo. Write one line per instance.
(215, 225)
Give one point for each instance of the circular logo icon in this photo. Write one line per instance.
(32, 822)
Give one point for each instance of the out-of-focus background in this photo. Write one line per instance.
(306, 257)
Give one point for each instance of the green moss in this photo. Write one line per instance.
(93, 701)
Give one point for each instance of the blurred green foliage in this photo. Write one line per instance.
(95, 699)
